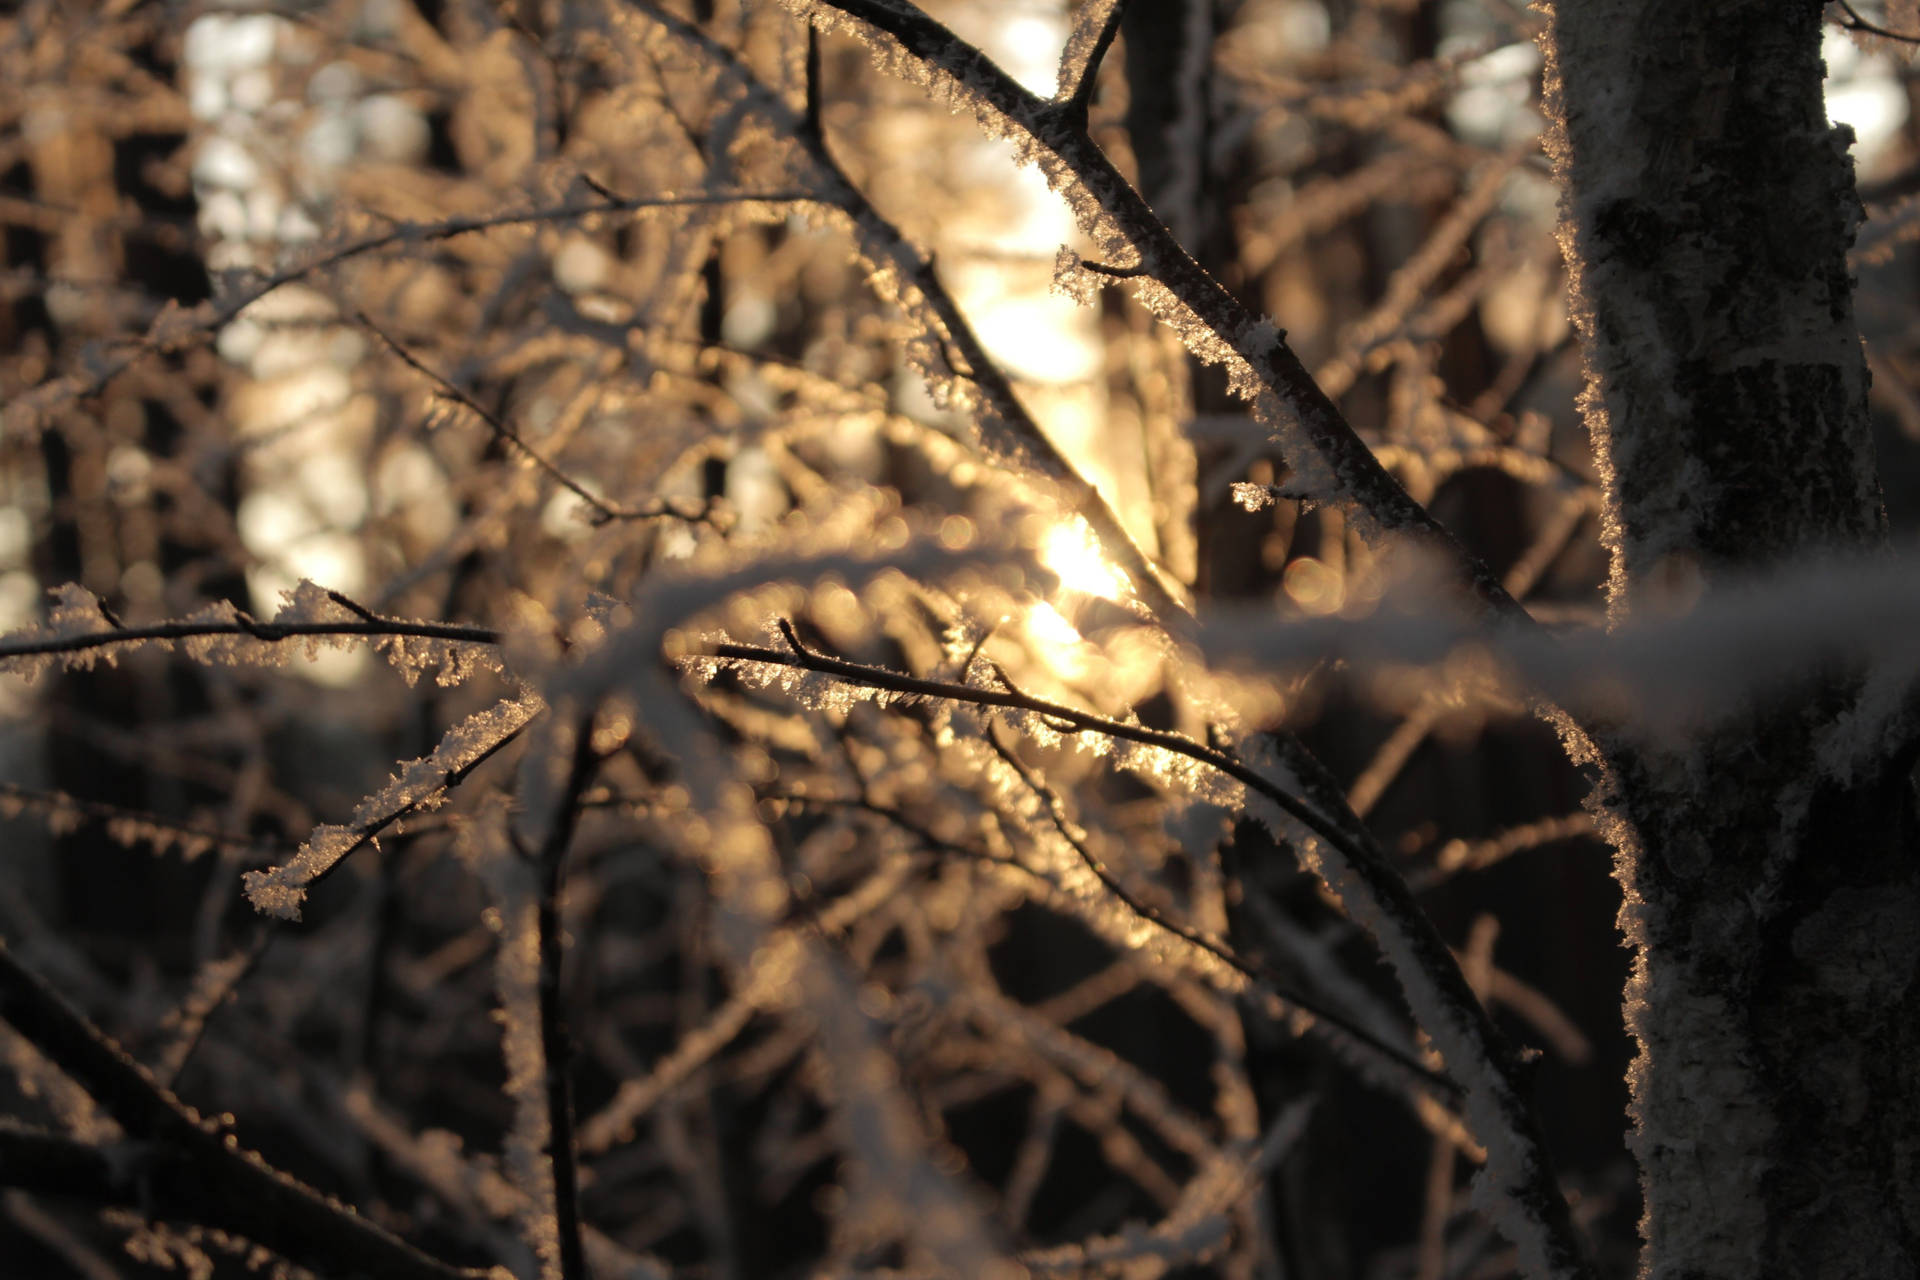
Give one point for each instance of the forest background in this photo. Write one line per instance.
(635, 653)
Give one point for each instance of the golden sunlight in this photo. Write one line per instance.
(1069, 550)
(1057, 642)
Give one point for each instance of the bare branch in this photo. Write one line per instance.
(603, 512)
(192, 1169)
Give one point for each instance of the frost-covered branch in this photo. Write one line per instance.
(80, 629)
(949, 355)
(421, 784)
(1522, 1195)
(1334, 463)
(1256, 973)
(1095, 24)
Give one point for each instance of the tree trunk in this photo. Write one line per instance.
(1768, 861)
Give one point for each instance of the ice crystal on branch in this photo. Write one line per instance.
(420, 785)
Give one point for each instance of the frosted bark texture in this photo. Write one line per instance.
(1771, 900)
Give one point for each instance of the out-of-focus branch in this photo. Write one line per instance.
(243, 626)
(603, 511)
(192, 1169)
(555, 1045)
(176, 330)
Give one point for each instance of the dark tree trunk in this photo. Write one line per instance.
(1772, 894)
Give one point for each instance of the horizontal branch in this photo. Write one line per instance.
(248, 628)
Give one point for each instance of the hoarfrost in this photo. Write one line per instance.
(419, 785)
(514, 920)
(1508, 1188)
(1254, 497)
(1072, 279)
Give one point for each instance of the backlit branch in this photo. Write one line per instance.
(1113, 211)
(1353, 865)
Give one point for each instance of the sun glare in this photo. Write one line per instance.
(1068, 549)
(1057, 642)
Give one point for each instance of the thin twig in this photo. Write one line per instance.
(1852, 21)
(603, 512)
(1356, 867)
(1261, 976)
(270, 632)
(1012, 436)
(193, 1170)
(1070, 151)
(1095, 24)
(554, 1042)
(1112, 272)
(811, 118)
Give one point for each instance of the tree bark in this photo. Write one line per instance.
(1771, 891)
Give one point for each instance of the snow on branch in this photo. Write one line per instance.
(80, 630)
(420, 785)
(1518, 1190)
(1655, 676)
(1327, 456)
(943, 348)
(1095, 24)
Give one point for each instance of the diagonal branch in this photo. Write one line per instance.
(1530, 1207)
(1117, 215)
(1008, 433)
(603, 511)
(192, 1169)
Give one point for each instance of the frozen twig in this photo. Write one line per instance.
(1194, 301)
(1347, 858)
(1095, 24)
